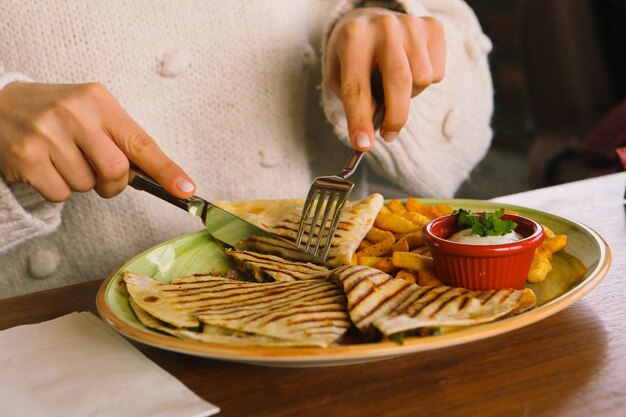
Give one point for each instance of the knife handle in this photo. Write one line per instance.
(140, 181)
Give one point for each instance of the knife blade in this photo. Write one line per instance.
(227, 229)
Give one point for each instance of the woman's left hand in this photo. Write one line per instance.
(408, 51)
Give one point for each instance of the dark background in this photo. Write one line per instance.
(558, 68)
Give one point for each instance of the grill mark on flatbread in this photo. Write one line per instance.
(464, 302)
(443, 305)
(251, 309)
(426, 303)
(355, 282)
(276, 268)
(309, 295)
(303, 295)
(275, 265)
(321, 315)
(371, 290)
(489, 296)
(377, 307)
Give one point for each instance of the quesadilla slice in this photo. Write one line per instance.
(266, 267)
(282, 218)
(391, 305)
(311, 313)
(209, 334)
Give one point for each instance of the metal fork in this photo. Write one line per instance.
(328, 195)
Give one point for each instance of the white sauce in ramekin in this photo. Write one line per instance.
(465, 236)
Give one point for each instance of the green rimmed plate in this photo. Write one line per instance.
(197, 253)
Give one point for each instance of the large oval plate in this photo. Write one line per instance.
(197, 253)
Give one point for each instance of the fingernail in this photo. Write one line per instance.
(362, 140)
(183, 185)
(389, 136)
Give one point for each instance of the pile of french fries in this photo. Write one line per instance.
(394, 244)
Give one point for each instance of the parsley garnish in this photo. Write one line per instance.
(485, 224)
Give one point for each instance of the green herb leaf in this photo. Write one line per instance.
(485, 224)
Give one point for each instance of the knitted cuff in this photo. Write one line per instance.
(25, 214)
(7, 78)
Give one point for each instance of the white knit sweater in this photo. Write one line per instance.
(228, 91)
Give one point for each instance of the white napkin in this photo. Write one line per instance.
(75, 365)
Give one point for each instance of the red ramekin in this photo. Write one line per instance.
(482, 267)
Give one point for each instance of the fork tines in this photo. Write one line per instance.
(326, 196)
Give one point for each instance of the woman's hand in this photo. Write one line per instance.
(76, 137)
(408, 51)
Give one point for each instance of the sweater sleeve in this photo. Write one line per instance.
(24, 213)
(448, 129)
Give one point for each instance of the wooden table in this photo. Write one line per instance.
(571, 364)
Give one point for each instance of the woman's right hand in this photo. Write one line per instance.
(61, 138)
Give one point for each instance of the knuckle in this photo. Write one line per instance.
(115, 169)
(423, 79)
(394, 122)
(353, 30)
(93, 89)
(140, 144)
(432, 23)
(84, 183)
(388, 22)
(354, 90)
(400, 74)
(28, 151)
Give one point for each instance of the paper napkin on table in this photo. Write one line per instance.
(75, 365)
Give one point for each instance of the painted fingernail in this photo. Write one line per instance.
(183, 185)
(389, 136)
(362, 140)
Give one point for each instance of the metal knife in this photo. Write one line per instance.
(227, 229)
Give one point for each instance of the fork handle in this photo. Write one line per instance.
(351, 165)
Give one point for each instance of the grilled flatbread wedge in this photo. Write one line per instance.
(306, 313)
(282, 217)
(210, 334)
(391, 305)
(266, 267)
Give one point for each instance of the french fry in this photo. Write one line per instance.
(407, 275)
(423, 250)
(547, 232)
(364, 244)
(386, 265)
(377, 249)
(416, 218)
(555, 244)
(413, 204)
(369, 260)
(427, 278)
(377, 235)
(354, 260)
(414, 239)
(400, 246)
(396, 207)
(540, 266)
(413, 261)
(395, 223)
(443, 209)
(417, 206)
(384, 210)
